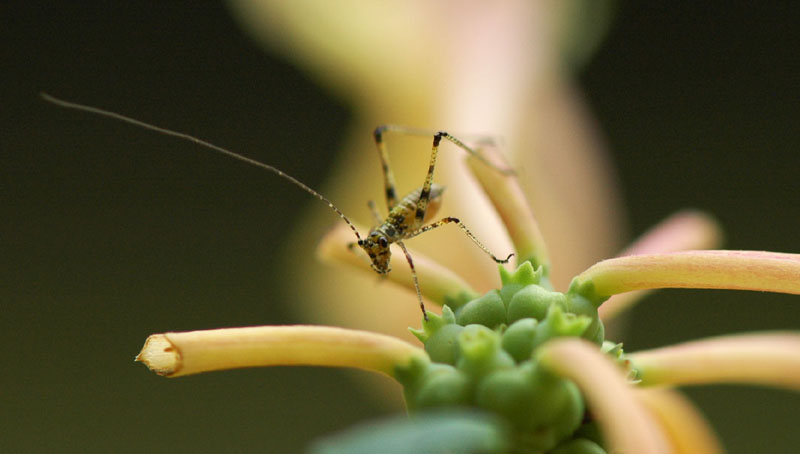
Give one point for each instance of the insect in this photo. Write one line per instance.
(406, 218)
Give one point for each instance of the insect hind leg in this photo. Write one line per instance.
(388, 176)
(449, 220)
(482, 139)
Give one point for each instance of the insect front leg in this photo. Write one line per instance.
(449, 220)
(414, 278)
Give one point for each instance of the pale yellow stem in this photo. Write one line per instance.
(686, 427)
(685, 230)
(437, 283)
(508, 199)
(192, 352)
(771, 359)
(626, 424)
(734, 270)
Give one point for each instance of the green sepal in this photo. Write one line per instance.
(480, 352)
(587, 290)
(617, 354)
(433, 324)
(580, 305)
(513, 281)
(558, 323)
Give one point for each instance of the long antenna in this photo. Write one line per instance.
(187, 137)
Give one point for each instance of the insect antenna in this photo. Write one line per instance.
(203, 143)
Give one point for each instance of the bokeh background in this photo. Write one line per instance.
(109, 233)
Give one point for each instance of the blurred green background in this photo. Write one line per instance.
(109, 233)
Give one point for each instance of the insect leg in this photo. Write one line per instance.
(425, 192)
(388, 176)
(376, 217)
(414, 277)
(464, 228)
(426, 133)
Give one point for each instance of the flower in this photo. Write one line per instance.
(502, 68)
(534, 358)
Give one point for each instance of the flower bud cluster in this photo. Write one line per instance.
(483, 354)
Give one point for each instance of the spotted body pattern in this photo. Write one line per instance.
(407, 217)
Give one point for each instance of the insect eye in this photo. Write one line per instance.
(382, 242)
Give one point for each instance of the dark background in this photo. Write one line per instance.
(109, 233)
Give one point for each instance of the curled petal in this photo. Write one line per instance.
(771, 359)
(734, 270)
(685, 426)
(436, 282)
(625, 423)
(512, 206)
(192, 352)
(685, 230)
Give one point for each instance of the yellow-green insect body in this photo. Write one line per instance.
(400, 224)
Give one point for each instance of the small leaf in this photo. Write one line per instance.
(434, 432)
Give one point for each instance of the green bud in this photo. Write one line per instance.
(579, 446)
(532, 301)
(519, 337)
(586, 290)
(442, 346)
(558, 323)
(580, 305)
(434, 323)
(557, 400)
(590, 431)
(480, 352)
(573, 408)
(442, 386)
(508, 393)
(488, 310)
